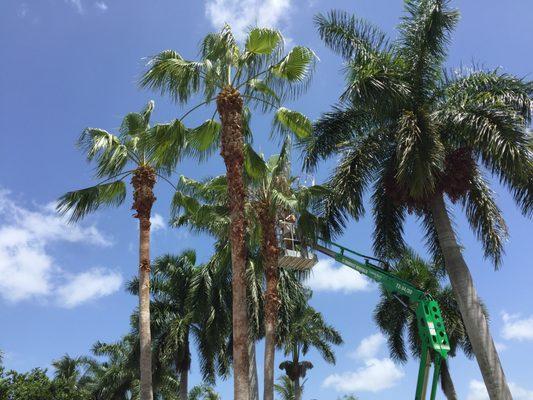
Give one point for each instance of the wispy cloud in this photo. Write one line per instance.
(374, 375)
(76, 4)
(516, 327)
(101, 5)
(327, 275)
(241, 14)
(23, 10)
(477, 391)
(88, 285)
(27, 267)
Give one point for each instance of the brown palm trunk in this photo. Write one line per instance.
(229, 106)
(143, 182)
(475, 322)
(270, 252)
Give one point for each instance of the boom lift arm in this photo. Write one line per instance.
(431, 330)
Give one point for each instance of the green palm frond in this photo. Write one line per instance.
(349, 36)
(263, 40)
(388, 223)
(170, 73)
(109, 152)
(296, 66)
(288, 121)
(205, 139)
(84, 201)
(167, 144)
(332, 133)
(254, 164)
(420, 155)
(485, 218)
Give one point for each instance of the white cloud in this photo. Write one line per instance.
(369, 347)
(157, 222)
(477, 391)
(88, 285)
(101, 5)
(241, 14)
(515, 327)
(325, 276)
(376, 375)
(27, 268)
(76, 4)
(500, 346)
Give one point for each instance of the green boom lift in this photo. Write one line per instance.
(431, 330)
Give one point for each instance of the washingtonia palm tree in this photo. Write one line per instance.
(416, 135)
(230, 76)
(118, 157)
(307, 330)
(182, 310)
(394, 319)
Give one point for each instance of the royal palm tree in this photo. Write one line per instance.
(285, 388)
(117, 157)
(182, 314)
(394, 319)
(230, 76)
(418, 135)
(307, 330)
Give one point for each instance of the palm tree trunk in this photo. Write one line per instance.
(270, 252)
(229, 106)
(297, 389)
(446, 382)
(253, 379)
(184, 384)
(143, 182)
(476, 324)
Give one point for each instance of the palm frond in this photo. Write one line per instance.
(81, 202)
(109, 152)
(171, 74)
(348, 35)
(288, 121)
(485, 218)
(263, 40)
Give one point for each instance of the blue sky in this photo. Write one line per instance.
(69, 64)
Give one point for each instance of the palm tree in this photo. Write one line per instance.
(285, 388)
(182, 311)
(203, 392)
(272, 195)
(417, 135)
(307, 330)
(394, 319)
(117, 157)
(259, 74)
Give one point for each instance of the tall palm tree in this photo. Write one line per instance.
(231, 76)
(182, 313)
(118, 157)
(416, 135)
(394, 319)
(307, 330)
(272, 195)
